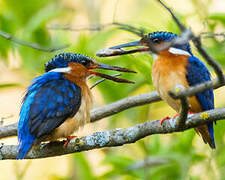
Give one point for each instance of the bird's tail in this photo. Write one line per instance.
(24, 147)
(207, 133)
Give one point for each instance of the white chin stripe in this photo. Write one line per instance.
(178, 51)
(155, 56)
(62, 70)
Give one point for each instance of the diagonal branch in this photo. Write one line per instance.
(180, 121)
(31, 45)
(113, 138)
(179, 24)
(101, 112)
(218, 70)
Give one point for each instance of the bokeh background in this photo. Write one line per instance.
(85, 25)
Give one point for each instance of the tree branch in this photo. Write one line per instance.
(180, 121)
(113, 138)
(127, 27)
(31, 45)
(148, 162)
(101, 112)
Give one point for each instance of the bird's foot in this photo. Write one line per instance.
(190, 114)
(68, 140)
(162, 120)
(166, 118)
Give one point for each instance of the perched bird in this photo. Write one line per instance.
(174, 66)
(58, 102)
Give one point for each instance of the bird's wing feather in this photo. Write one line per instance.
(54, 102)
(198, 73)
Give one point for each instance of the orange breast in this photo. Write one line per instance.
(169, 71)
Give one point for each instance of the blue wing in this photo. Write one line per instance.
(49, 101)
(198, 73)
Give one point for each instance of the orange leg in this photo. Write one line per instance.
(68, 140)
(162, 120)
(166, 118)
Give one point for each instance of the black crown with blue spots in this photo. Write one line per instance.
(163, 36)
(62, 60)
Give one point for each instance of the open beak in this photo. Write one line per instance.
(118, 50)
(96, 65)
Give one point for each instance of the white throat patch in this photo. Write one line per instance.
(178, 51)
(62, 70)
(155, 56)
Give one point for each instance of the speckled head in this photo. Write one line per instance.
(155, 38)
(78, 65)
(163, 36)
(63, 60)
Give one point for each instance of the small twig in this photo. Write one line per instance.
(31, 45)
(148, 162)
(102, 80)
(180, 25)
(197, 89)
(114, 11)
(212, 35)
(218, 70)
(138, 31)
(90, 28)
(183, 114)
(3, 118)
(184, 38)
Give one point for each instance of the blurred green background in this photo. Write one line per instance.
(55, 23)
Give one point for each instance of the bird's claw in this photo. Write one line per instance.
(162, 120)
(68, 140)
(166, 118)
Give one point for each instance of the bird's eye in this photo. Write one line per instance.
(85, 62)
(156, 40)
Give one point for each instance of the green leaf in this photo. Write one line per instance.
(82, 168)
(220, 17)
(7, 85)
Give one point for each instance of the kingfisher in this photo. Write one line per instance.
(174, 66)
(58, 102)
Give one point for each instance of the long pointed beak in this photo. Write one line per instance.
(112, 78)
(109, 67)
(130, 44)
(117, 50)
(115, 68)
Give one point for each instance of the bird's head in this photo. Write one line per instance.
(80, 66)
(155, 39)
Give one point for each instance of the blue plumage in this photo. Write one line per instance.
(25, 138)
(198, 73)
(49, 101)
(175, 55)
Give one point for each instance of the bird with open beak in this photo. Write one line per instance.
(174, 66)
(58, 102)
